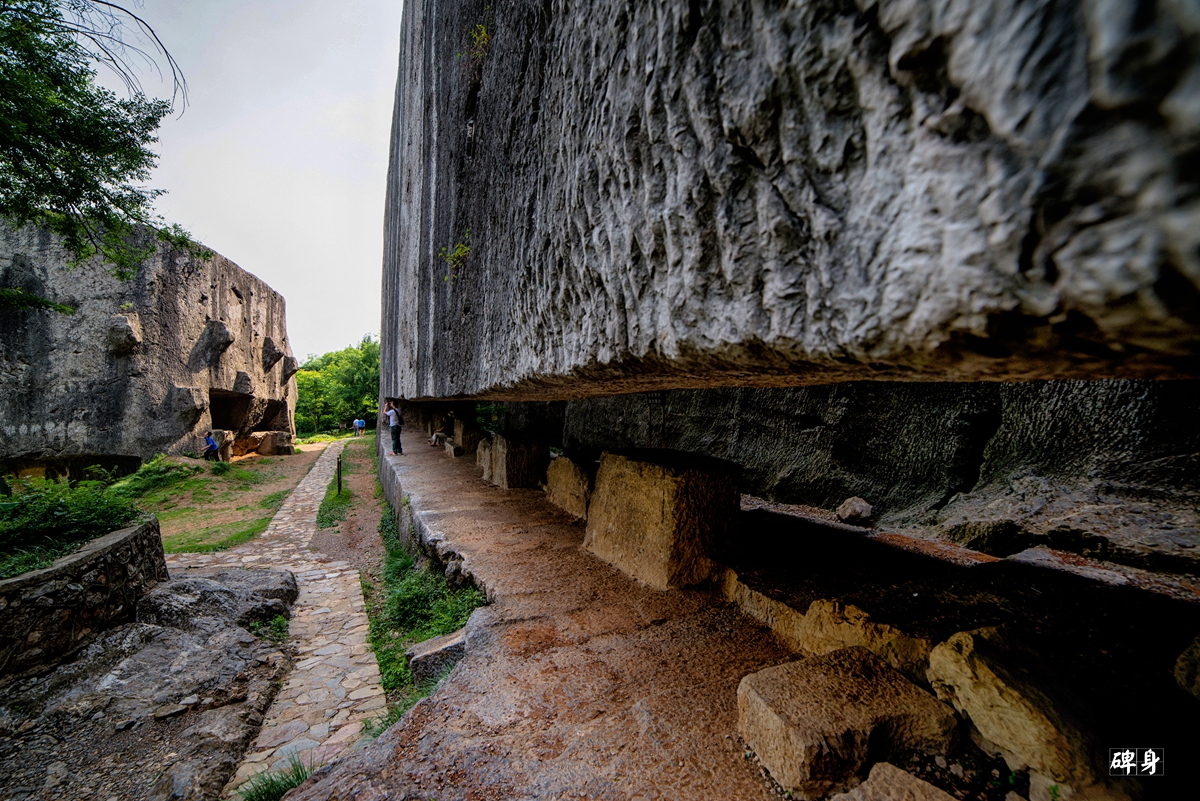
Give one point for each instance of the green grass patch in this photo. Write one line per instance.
(272, 785)
(334, 506)
(276, 631)
(275, 500)
(215, 538)
(155, 474)
(416, 605)
(325, 438)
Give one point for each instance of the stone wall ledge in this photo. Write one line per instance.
(51, 612)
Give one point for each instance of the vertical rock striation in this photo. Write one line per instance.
(717, 193)
(141, 367)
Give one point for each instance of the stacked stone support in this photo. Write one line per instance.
(659, 517)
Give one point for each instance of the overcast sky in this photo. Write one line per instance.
(280, 160)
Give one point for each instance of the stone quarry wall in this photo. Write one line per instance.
(143, 366)
(685, 194)
(51, 613)
(1103, 468)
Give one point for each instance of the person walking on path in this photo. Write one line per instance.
(395, 423)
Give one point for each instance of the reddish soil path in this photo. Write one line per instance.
(577, 682)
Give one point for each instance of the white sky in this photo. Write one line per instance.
(280, 161)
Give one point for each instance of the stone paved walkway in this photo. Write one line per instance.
(334, 685)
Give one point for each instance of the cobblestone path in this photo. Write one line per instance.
(334, 685)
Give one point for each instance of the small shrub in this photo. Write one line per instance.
(272, 785)
(455, 255)
(221, 468)
(276, 631)
(44, 520)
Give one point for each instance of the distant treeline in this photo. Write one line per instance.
(338, 387)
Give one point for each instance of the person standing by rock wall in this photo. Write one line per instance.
(395, 424)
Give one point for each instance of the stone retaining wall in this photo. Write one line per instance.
(50, 613)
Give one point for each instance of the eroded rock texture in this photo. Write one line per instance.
(698, 193)
(1102, 468)
(142, 367)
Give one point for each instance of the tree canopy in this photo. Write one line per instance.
(73, 155)
(338, 387)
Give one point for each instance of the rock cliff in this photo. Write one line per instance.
(685, 194)
(141, 367)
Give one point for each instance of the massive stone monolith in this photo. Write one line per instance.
(143, 366)
(675, 194)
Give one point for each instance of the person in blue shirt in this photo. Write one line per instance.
(212, 451)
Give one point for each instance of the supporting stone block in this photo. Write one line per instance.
(518, 462)
(889, 783)
(659, 520)
(815, 722)
(990, 683)
(430, 659)
(276, 443)
(568, 487)
(483, 458)
(466, 436)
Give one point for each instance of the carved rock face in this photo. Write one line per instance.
(135, 371)
(732, 194)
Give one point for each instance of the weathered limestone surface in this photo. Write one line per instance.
(660, 517)
(50, 613)
(1011, 707)
(181, 692)
(813, 723)
(888, 783)
(141, 367)
(699, 193)
(568, 486)
(1074, 465)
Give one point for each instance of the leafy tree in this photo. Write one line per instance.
(340, 385)
(73, 155)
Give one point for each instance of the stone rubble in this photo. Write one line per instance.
(334, 686)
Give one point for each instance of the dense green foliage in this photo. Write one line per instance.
(43, 520)
(73, 155)
(339, 387)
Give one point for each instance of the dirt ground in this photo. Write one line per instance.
(356, 539)
(208, 511)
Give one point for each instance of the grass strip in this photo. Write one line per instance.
(215, 538)
(334, 506)
(414, 605)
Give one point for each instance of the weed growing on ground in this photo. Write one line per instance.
(221, 468)
(335, 505)
(377, 726)
(272, 785)
(276, 631)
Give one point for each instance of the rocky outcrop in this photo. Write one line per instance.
(51, 613)
(142, 367)
(657, 195)
(158, 709)
(888, 783)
